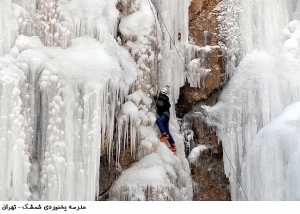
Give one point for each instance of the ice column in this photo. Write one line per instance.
(76, 119)
(14, 154)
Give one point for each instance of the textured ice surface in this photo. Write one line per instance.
(275, 152)
(63, 82)
(158, 174)
(264, 83)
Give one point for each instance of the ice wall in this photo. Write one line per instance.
(80, 109)
(65, 102)
(250, 25)
(271, 166)
(14, 153)
(173, 19)
(57, 22)
(141, 34)
(261, 23)
(14, 112)
(229, 33)
(262, 85)
(157, 174)
(63, 82)
(162, 55)
(58, 104)
(8, 27)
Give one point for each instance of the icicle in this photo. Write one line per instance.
(261, 86)
(14, 155)
(58, 109)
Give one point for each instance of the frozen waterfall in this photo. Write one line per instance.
(260, 139)
(67, 91)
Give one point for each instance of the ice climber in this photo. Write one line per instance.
(163, 110)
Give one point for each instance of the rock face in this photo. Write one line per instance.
(203, 31)
(202, 22)
(209, 172)
(109, 171)
(195, 9)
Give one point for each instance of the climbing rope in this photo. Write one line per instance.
(236, 176)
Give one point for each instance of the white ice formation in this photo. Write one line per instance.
(64, 78)
(261, 140)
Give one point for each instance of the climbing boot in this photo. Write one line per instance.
(164, 137)
(173, 148)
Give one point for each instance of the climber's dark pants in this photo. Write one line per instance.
(163, 125)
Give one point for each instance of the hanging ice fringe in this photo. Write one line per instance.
(264, 82)
(63, 86)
